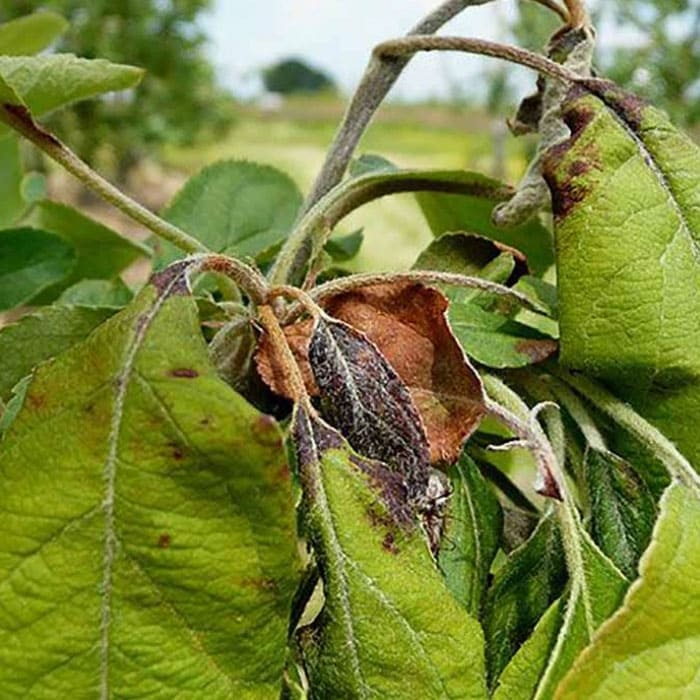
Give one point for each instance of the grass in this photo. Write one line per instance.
(295, 139)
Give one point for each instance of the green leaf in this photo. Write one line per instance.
(44, 83)
(389, 627)
(622, 509)
(486, 334)
(626, 193)
(234, 207)
(523, 588)
(447, 213)
(33, 187)
(649, 649)
(594, 593)
(40, 336)
(13, 406)
(30, 262)
(97, 294)
(154, 549)
(12, 203)
(30, 34)
(102, 253)
(471, 535)
(344, 247)
(496, 341)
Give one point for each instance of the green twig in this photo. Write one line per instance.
(19, 119)
(314, 228)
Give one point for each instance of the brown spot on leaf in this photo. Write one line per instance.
(183, 373)
(266, 432)
(164, 540)
(389, 543)
(177, 453)
(36, 400)
(537, 349)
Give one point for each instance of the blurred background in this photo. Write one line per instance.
(268, 81)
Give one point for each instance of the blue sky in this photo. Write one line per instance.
(338, 35)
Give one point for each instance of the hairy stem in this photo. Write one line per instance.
(556, 7)
(347, 284)
(577, 13)
(626, 417)
(246, 277)
(283, 353)
(510, 410)
(408, 46)
(379, 77)
(311, 233)
(19, 119)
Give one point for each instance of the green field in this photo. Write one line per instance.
(295, 139)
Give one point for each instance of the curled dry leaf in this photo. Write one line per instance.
(407, 322)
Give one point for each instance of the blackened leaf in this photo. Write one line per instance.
(367, 401)
(471, 534)
(389, 627)
(623, 511)
(523, 588)
(407, 322)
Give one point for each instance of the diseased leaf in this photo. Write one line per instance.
(30, 34)
(447, 213)
(382, 629)
(626, 194)
(622, 509)
(594, 593)
(649, 649)
(523, 588)
(234, 207)
(31, 261)
(11, 201)
(97, 294)
(40, 336)
(365, 399)
(44, 83)
(155, 550)
(406, 321)
(102, 253)
(471, 534)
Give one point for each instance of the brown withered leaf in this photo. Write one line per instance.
(407, 322)
(366, 400)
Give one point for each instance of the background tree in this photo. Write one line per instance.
(664, 62)
(177, 102)
(293, 75)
